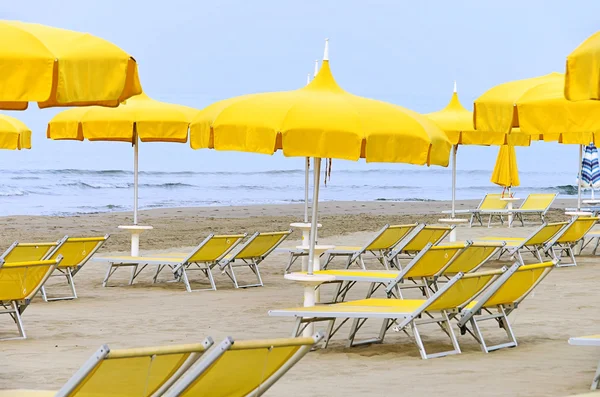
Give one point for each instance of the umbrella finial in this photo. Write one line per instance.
(455, 87)
(316, 68)
(308, 79)
(326, 53)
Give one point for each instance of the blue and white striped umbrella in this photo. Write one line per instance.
(590, 168)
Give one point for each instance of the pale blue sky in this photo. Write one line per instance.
(405, 52)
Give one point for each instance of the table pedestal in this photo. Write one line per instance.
(509, 208)
(305, 228)
(135, 231)
(309, 283)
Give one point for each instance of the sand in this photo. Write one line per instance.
(62, 335)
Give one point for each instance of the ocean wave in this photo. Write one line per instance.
(10, 192)
(125, 185)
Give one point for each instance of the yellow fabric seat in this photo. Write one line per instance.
(19, 283)
(566, 241)
(203, 258)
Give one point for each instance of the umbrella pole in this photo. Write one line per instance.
(579, 178)
(135, 181)
(306, 182)
(313, 220)
(454, 150)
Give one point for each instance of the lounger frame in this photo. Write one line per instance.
(581, 341)
(556, 249)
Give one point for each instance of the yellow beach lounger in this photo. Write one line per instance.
(232, 368)
(534, 243)
(590, 340)
(251, 253)
(19, 283)
(534, 204)
(415, 242)
(569, 237)
(242, 368)
(503, 296)
(379, 247)
(491, 202)
(204, 257)
(140, 372)
(424, 270)
(25, 252)
(406, 313)
(76, 252)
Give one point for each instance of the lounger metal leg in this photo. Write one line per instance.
(596, 380)
(44, 296)
(477, 334)
(297, 324)
(109, 273)
(362, 262)
(253, 266)
(70, 281)
(133, 274)
(15, 313)
(158, 270)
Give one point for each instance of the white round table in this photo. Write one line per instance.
(135, 231)
(578, 213)
(453, 221)
(590, 201)
(305, 228)
(510, 207)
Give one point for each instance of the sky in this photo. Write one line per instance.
(405, 52)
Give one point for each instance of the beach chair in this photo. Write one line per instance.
(534, 204)
(590, 340)
(140, 372)
(25, 252)
(490, 202)
(503, 296)
(534, 243)
(19, 283)
(242, 368)
(415, 242)
(567, 239)
(406, 313)
(76, 252)
(379, 247)
(251, 253)
(203, 258)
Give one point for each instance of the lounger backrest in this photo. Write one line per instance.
(492, 201)
(261, 244)
(429, 234)
(432, 260)
(390, 236)
(22, 280)
(26, 252)
(473, 257)
(133, 372)
(243, 368)
(462, 290)
(538, 201)
(519, 284)
(577, 229)
(77, 251)
(544, 233)
(215, 247)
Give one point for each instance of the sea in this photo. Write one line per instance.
(75, 191)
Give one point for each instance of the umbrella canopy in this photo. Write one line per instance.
(457, 123)
(496, 110)
(582, 79)
(590, 168)
(320, 120)
(58, 67)
(138, 118)
(506, 173)
(14, 134)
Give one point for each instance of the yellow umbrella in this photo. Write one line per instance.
(582, 79)
(506, 172)
(58, 67)
(457, 123)
(320, 120)
(14, 134)
(138, 118)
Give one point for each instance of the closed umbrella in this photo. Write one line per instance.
(320, 120)
(59, 67)
(589, 175)
(506, 172)
(138, 119)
